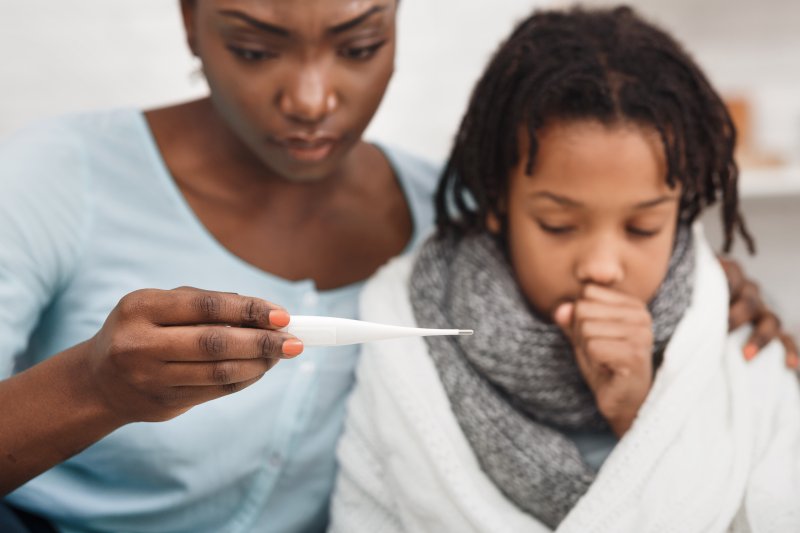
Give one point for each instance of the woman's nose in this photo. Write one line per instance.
(309, 97)
(601, 264)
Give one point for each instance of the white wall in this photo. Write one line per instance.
(443, 48)
(63, 56)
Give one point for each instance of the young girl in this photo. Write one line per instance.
(601, 391)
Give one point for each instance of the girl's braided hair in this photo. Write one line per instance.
(607, 65)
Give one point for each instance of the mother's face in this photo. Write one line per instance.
(297, 80)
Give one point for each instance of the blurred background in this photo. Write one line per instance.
(59, 57)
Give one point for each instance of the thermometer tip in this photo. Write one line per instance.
(465, 332)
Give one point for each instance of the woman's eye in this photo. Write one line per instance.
(556, 230)
(640, 232)
(361, 53)
(248, 54)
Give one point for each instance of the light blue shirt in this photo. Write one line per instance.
(89, 213)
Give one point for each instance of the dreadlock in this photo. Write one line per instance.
(607, 65)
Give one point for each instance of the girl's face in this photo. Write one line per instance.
(296, 80)
(597, 209)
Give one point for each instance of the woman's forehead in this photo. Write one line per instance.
(326, 13)
(302, 20)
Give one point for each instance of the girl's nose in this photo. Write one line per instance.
(309, 97)
(601, 264)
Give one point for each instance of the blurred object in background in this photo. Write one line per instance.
(748, 152)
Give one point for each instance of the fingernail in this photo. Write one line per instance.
(793, 360)
(292, 347)
(279, 318)
(750, 351)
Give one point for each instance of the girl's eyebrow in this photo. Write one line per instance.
(562, 200)
(656, 201)
(285, 32)
(569, 202)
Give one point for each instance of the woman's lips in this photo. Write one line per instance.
(311, 149)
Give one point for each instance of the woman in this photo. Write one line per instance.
(263, 189)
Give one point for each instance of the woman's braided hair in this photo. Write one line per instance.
(607, 65)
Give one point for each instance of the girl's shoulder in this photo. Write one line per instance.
(389, 284)
(767, 376)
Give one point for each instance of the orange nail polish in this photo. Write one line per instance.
(279, 318)
(750, 351)
(793, 361)
(292, 347)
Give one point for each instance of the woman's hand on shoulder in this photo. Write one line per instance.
(612, 336)
(160, 353)
(747, 306)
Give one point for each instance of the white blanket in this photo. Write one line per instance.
(716, 446)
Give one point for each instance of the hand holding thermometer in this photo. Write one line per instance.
(330, 331)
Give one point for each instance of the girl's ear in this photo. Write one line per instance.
(493, 223)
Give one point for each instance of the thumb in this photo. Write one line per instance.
(563, 316)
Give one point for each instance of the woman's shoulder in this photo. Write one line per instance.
(50, 172)
(411, 166)
(63, 142)
(418, 176)
(47, 205)
(91, 123)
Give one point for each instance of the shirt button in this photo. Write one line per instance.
(310, 299)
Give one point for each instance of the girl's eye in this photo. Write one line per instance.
(248, 54)
(361, 53)
(639, 232)
(556, 230)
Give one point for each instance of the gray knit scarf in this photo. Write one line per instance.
(514, 386)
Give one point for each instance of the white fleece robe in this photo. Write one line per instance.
(715, 447)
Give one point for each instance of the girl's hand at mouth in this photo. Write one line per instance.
(612, 335)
